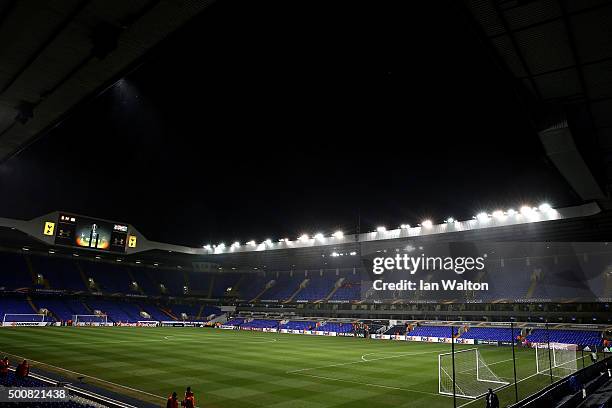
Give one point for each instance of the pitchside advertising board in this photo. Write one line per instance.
(89, 233)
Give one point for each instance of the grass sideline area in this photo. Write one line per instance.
(230, 369)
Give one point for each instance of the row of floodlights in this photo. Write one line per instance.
(530, 213)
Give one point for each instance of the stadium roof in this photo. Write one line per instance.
(579, 224)
(58, 54)
(559, 54)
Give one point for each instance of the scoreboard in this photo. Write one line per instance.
(84, 232)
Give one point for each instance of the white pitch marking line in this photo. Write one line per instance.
(373, 385)
(362, 361)
(509, 385)
(165, 338)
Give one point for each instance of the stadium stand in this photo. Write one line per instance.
(62, 309)
(222, 282)
(489, 333)
(16, 305)
(60, 273)
(350, 289)
(11, 381)
(432, 331)
(260, 324)
(145, 282)
(198, 283)
(191, 311)
(298, 325)
(14, 272)
(318, 288)
(155, 312)
(580, 337)
(115, 311)
(284, 286)
(108, 278)
(236, 321)
(336, 327)
(253, 286)
(396, 330)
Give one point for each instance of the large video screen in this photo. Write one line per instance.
(90, 233)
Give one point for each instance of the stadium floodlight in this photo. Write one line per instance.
(381, 229)
(319, 237)
(545, 207)
(427, 224)
(482, 216)
(499, 214)
(338, 234)
(304, 238)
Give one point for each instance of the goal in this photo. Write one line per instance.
(473, 377)
(90, 320)
(22, 319)
(560, 360)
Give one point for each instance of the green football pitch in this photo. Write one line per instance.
(230, 369)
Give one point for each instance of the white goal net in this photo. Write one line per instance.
(90, 320)
(473, 377)
(21, 319)
(560, 360)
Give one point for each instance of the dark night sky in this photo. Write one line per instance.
(270, 119)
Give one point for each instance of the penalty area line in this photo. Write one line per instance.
(363, 360)
(507, 386)
(389, 387)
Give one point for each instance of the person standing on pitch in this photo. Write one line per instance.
(4, 366)
(492, 400)
(189, 401)
(22, 371)
(172, 401)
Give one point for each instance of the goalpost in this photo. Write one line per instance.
(90, 320)
(560, 360)
(23, 319)
(473, 377)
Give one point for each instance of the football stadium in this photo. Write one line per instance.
(290, 205)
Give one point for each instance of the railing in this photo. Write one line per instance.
(572, 390)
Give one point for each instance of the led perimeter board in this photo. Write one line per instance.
(82, 232)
